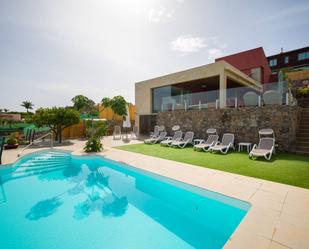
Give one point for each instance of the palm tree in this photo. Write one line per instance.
(28, 105)
(5, 110)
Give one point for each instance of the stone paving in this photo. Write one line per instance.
(278, 218)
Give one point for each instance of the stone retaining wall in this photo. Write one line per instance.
(243, 122)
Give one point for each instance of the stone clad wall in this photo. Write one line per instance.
(244, 122)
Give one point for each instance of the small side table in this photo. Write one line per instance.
(197, 141)
(241, 145)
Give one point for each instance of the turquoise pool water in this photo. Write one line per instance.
(54, 200)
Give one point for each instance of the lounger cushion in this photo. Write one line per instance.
(201, 146)
(219, 147)
(259, 152)
(166, 142)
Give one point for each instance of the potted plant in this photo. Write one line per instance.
(303, 92)
(11, 142)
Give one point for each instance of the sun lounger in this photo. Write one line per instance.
(117, 133)
(272, 97)
(225, 145)
(157, 139)
(134, 133)
(265, 148)
(251, 99)
(211, 131)
(206, 145)
(176, 128)
(155, 132)
(183, 142)
(177, 136)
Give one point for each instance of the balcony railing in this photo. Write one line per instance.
(272, 94)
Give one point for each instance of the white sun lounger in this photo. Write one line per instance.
(272, 97)
(225, 145)
(206, 145)
(265, 148)
(155, 132)
(251, 99)
(117, 133)
(134, 133)
(177, 136)
(183, 142)
(157, 139)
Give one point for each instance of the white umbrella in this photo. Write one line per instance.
(126, 122)
(280, 82)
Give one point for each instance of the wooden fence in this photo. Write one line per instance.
(108, 114)
(78, 130)
(74, 131)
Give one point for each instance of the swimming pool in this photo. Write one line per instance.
(53, 200)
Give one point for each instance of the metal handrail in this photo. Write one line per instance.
(51, 142)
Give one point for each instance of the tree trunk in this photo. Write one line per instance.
(60, 134)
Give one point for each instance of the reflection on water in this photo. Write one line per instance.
(89, 182)
(44, 208)
(100, 189)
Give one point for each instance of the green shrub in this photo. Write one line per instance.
(93, 145)
(96, 128)
(12, 139)
(303, 91)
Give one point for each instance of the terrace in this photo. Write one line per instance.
(276, 217)
(205, 94)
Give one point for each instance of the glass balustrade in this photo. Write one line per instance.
(271, 94)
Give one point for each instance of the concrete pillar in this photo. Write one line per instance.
(137, 123)
(222, 89)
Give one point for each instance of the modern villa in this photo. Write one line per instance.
(214, 95)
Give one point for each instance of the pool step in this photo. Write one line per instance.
(39, 164)
(43, 162)
(46, 159)
(42, 165)
(35, 168)
(29, 173)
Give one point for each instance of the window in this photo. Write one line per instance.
(286, 59)
(303, 56)
(165, 97)
(273, 62)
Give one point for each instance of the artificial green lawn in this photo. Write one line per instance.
(284, 168)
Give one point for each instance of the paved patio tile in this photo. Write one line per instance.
(291, 235)
(276, 245)
(296, 209)
(261, 221)
(245, 239)
(262, 202)
(276, 188)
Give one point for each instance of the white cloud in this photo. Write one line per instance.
(188, 44)
(160, 14)
(214, 53)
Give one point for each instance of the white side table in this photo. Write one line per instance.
(197, 141)
(241, 145)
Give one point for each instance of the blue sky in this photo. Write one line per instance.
(53, 50)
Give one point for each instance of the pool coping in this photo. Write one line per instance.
(278, 217)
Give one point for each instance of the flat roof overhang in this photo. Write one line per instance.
(197, 73)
